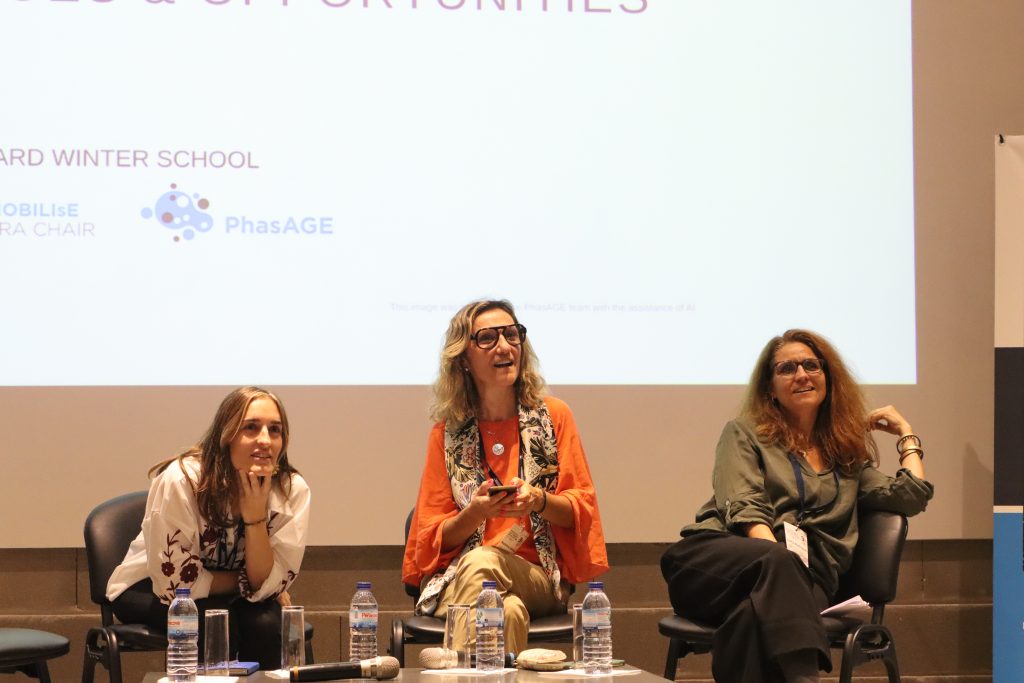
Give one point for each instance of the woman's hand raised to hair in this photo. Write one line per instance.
(888, 419)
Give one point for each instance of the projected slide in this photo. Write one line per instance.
(198, 192)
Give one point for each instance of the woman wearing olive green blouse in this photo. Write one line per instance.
(790, 471)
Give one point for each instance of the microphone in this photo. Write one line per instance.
(441, 658)
(438, 658)
(381, 668)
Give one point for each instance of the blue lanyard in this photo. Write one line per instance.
(490, 470)
(798, 473)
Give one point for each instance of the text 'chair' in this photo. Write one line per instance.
(430, 630)
(873, 576)
(27, 650)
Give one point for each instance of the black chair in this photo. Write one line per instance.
(27, 650)
(430, 630)
(109, 530)
(873, 576)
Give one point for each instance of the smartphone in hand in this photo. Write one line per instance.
(495, 490)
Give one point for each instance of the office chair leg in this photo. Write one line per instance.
(675, 651)
(866, 643)
(93, 654)
(892, 666)
(113, 658)
(38, 670)
(33, 670)
(397, 645)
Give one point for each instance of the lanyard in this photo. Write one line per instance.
(798, 473)
(490, 470)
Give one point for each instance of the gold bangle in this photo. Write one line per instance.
(545, 505)
(905, 437)
(906, 453)
(258, 521)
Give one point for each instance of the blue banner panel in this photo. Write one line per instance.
(1007, 598)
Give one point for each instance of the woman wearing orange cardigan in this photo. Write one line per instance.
(495, 428)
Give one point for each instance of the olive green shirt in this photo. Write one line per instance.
(754, 482)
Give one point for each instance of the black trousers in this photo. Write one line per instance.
(254, 628)
(756, 593)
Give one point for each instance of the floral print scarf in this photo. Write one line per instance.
(539, 450)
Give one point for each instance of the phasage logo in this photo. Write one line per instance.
(176, 211)
(186, 215)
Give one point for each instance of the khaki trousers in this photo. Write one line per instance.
(523, 586)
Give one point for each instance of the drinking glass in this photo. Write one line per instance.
(459, 627)
(293, 637)
(577, 635)
(215, 642)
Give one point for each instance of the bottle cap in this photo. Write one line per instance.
(490, 584)
(182, 592)
(596, 585)
(363, 585)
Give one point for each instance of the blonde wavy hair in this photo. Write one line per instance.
(217, 487)
(841, 427)
(455, 395)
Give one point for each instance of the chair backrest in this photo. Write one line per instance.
(411, 590)
(109, 529)
(876, 560)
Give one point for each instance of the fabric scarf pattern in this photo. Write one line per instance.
(466, 472)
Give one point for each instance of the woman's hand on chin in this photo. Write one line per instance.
(253, 495)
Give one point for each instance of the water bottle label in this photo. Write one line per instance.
(363, 618)
(183, 625)
(490, 616)
(597, 618)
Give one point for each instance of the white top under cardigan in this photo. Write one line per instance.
(177, 547)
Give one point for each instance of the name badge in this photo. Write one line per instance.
(513, 538)
(796, 541)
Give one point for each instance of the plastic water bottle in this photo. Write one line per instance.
(597, 630)
(362, 623)
(182, 637)
(490, 629)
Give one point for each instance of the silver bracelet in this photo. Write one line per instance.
(904, 438)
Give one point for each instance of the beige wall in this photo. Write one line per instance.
(650, 447)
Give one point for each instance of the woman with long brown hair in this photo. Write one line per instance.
(228, 519)
(765, 553)
(494, 426)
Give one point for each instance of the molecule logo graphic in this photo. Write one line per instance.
(176, 211)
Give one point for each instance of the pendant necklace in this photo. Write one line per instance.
(498, 448)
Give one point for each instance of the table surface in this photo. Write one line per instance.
(411, 675)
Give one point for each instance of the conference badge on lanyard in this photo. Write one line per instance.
(796, 541)
(796, 538)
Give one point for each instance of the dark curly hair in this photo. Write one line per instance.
(841, 427)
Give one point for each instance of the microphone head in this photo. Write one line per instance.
(386, 667)
(438, 658)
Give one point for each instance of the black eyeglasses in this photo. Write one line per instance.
(487, 337)
(812, 366)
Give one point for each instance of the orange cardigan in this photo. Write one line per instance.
(581, 551)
